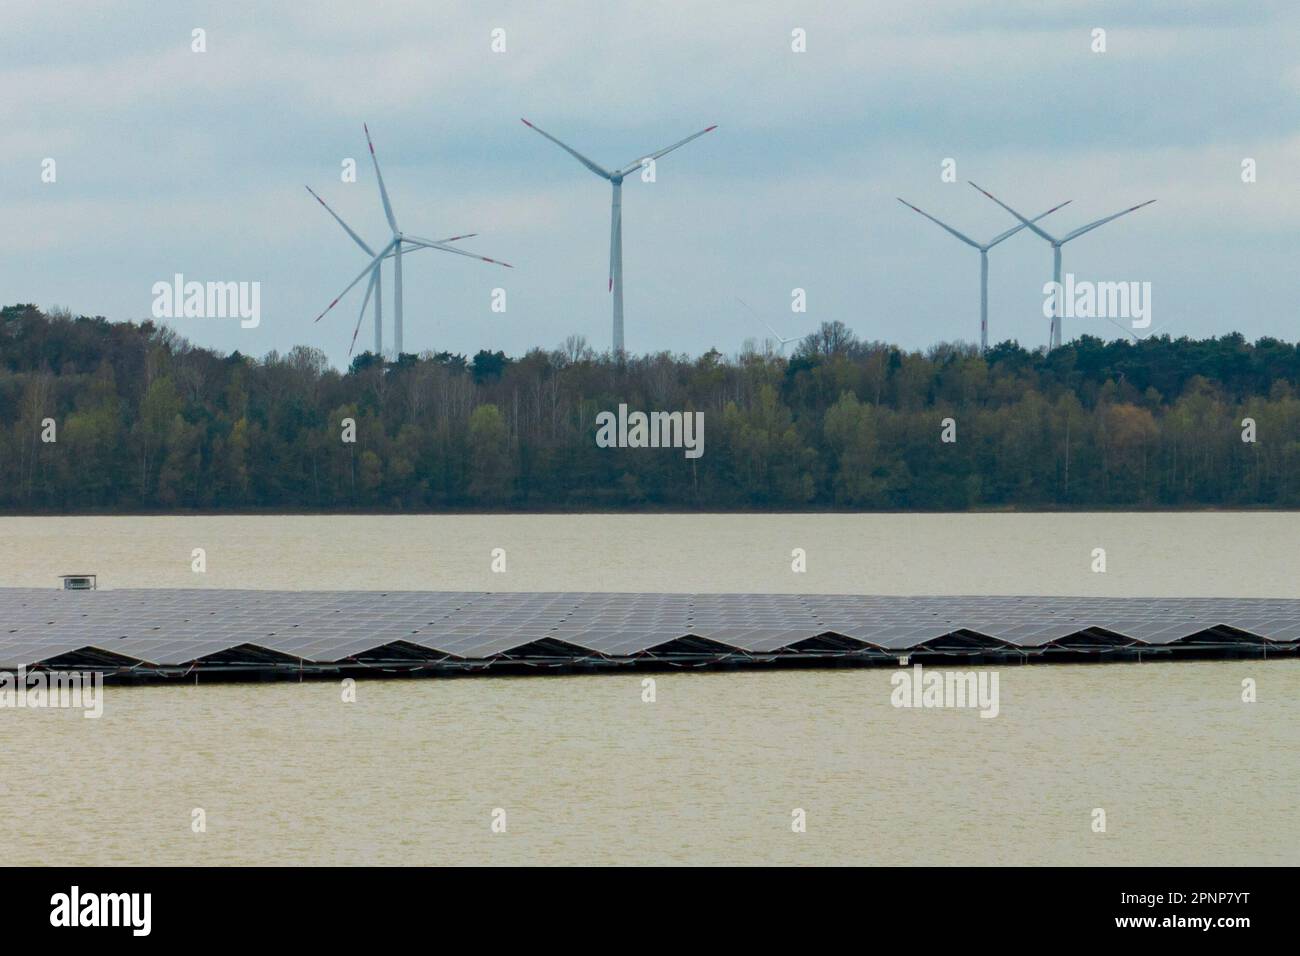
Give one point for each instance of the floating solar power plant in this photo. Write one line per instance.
(170, 634)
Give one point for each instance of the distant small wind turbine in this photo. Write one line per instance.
(393, 249)
(782, 341)
(615, 178)
(1129, 331)
(1056, 250)
(984, 248)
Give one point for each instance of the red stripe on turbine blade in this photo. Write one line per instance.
(711, 128)
(525, 122)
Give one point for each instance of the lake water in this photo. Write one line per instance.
(710, 772)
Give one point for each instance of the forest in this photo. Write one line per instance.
(106, 417)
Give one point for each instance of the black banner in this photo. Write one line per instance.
(302, 904)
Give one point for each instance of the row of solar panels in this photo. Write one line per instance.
(168, 627)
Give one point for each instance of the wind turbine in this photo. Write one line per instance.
(984, 248)
(394, 250)
(1136, 337)
(615, 178)
(1058, 307)
(781, 340)
(378, 285)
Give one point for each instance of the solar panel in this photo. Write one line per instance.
(177, 627)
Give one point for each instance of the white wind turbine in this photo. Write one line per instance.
(615, 178)
(394, 249)
(1058, 307)
(984, 248)
(378, 285)
(782, 341)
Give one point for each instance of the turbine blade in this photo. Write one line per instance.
(408, 252)
(346, 228)
(666, 150)
(1101, 222)
(598, 170)
(383, 193)
(370, 287)
(1127, 331)
(1025, 221)
(1152, 333)
(1015, 229)
(416, 240)
(764, 321)
(942, 225)
(368, 269)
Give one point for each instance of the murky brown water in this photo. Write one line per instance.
(711, 771)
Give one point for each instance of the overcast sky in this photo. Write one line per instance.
(173, 161)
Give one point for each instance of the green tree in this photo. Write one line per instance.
(491, 474)
(856, 469)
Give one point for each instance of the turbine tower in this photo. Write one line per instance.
(1058, 307)
(984, 248)
(379, 284)
(394, 249)
(615, 178)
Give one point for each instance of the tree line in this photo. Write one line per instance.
(97, 416)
